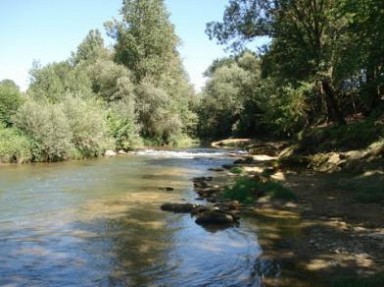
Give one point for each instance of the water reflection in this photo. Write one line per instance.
(98, 223)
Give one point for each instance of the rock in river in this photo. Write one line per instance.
(215, 217)
(168, 188)
(178, 207)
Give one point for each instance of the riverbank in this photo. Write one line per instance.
(332, 233)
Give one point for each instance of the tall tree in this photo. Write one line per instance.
(145, 39)
(365, 56)
(146, 44)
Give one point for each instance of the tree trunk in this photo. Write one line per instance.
(334, 111)
(372, 90)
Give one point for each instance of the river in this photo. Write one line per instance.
(98, 223)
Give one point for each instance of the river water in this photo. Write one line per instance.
(98, 223)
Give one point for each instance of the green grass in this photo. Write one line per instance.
(376, 280)
(236, 170)
(247, 190)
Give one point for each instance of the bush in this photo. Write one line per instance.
(123, 126)
(88, 124)
(49, 127)
(14, 146)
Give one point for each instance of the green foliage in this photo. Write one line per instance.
(232, 99)
(10, 101)
(88, 125)
(287, 110)
(91, 49)
(53, 82)
(236, 170)
(146, 41)
(110, 81)
(157, 114)
(14, 146)
(244, 190)
(335, 47)
(247, 190)
(123, 125)
(48, 126)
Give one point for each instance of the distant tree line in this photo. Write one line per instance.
(136, 93)
(324, 64)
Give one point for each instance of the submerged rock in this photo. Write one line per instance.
(166, 188)
(200, 184)
(178, 207)
(217, 169)
(244, 160)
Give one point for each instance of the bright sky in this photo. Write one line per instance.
(49, 30)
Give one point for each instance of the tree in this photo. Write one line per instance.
(146, 44)
(145, 39)
(53, 82)
(10, 101)
(157, 113)
(364, 57)
(91, 49)
(111, 81)
(305, 41)
(233, 98)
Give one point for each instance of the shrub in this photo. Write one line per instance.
(123, 126)
(14, 146)
(88, 124)
(48, 126)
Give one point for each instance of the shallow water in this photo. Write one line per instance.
(98, 223)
